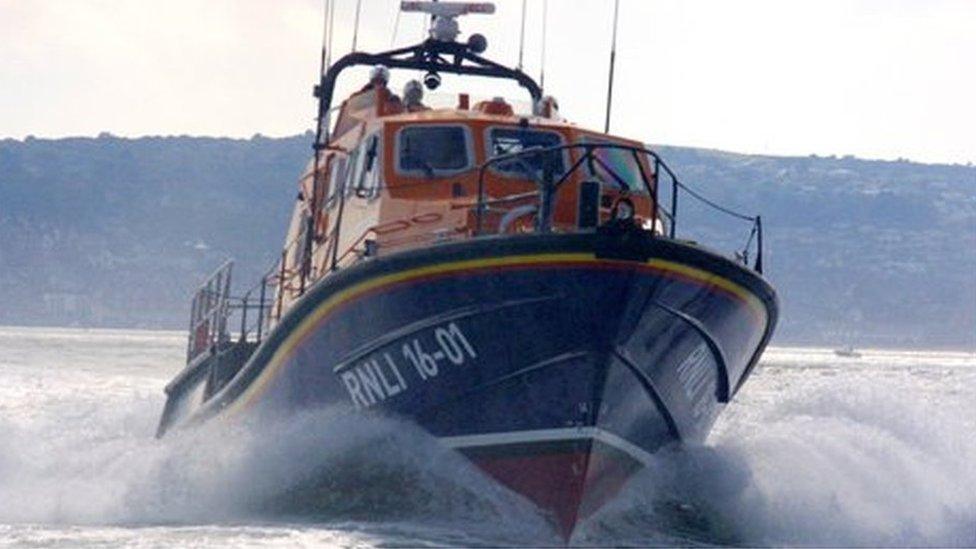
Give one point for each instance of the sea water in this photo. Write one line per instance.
(816, 450)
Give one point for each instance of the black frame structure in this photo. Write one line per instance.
(431, 55)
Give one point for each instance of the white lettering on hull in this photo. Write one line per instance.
(697, 377)
(380, 377)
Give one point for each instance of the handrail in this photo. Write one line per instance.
(213, 303)
(548, 187)
(208, 312)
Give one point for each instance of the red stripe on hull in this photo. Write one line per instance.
(570, 481)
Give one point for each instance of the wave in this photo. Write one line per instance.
(827, 456)
(100, 467)
(840, 465)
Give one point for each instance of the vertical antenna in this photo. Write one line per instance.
(324, 59)
(329, 30)
(542, 61)
(613, 58)
(428, 27)
(320, 121)
(355, 30)
(396, 27)
(522, 36)
(328, 61)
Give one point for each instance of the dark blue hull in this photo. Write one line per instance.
(558, 363)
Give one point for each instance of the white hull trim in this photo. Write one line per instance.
(550, 435)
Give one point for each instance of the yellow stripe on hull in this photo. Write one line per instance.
(311, 322)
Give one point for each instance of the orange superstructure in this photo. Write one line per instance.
(374, 195)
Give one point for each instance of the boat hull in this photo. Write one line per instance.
(557, 363)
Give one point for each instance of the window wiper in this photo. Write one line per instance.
(416, 160)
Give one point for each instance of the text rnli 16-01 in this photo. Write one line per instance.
(384, 375)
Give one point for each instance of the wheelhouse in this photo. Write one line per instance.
(429, 164)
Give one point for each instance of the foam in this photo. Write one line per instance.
(814, 451)
(852, 459)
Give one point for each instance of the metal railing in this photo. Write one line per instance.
(208, 312)
(549, 177)
(251, 311)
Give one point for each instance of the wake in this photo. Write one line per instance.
(806, 456)
(840, 464)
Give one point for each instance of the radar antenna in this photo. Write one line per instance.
(443, 25)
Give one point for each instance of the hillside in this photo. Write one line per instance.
(116, 232)
(871, 252)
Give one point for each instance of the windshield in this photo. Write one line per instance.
(610, 164)
(513, 140)
(426, 150)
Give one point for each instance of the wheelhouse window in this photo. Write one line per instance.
(430, 151)
(514, 140)
(353, 170)
(356, 169)
(337, 171)
(365, 179)
(614, 166)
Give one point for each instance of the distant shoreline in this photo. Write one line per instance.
(308, 135)
(9, 330)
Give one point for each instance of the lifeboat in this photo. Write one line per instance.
(510, 282)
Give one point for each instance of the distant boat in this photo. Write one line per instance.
(847, 351)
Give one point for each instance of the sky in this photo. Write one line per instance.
(872, 78)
